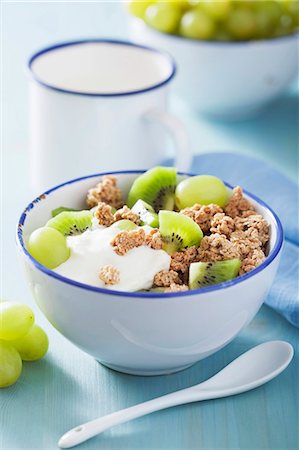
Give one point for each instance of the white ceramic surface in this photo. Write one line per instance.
(143, 333)
(98, 105)
(250, 370)
(229, 80)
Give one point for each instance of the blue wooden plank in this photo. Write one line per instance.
(69, 387)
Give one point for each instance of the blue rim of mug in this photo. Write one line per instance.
(152, 295)
(61, 45)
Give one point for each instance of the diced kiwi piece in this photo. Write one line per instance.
(203, 274)
(57, 211)
(178, 231)
(146, 213)
(124, 225)
(156, 187)
(71, 222)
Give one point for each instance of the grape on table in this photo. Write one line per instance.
(20, 339)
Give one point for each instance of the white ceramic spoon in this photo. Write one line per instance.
(248, 371)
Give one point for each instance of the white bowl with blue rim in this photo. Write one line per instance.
(143, 333)
(226, 79)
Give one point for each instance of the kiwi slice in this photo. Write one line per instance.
(146, 213)
(156, 187)
(178, 231)
(124, 225)
(71, 222)
(203, 274)
(57, 211)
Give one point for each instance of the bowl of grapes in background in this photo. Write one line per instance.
(234, 57)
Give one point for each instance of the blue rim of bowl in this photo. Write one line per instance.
(61, 45)
(214, 42)
(20, 242)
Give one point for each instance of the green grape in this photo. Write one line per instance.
(263, 23)
(247, 4)
(138, 7)
(285, 26)
(202, 189)
(222, 35)
(241, 23)
(10, 364)
(217, 10)
(183, 5)
(287, 21)
(48, 246)
(125, 224)
(163, 17)
(16, 320)
(292, 7)
(270, 8)
(34, 345)
(195, 24)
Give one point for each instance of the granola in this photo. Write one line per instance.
(222, 224)
(109, 275)
(104, 214)
(238, 205)
(217, 247)
(254, 259)
(234, 231)
(246, 241)
(254, 222)
(125, 241)
(176, 288)
(128, 214)
(180, 261)
(105, 191)
(166, 278)
(202, 214)
(153, 239)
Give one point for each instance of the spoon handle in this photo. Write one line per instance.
(85, 431)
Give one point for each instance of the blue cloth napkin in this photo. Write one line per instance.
(281, 194)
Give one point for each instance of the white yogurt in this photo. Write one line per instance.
(91, 250)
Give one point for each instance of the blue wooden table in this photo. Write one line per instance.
(68, 387)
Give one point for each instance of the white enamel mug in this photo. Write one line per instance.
(99, 105)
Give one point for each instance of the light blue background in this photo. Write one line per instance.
(69, 387)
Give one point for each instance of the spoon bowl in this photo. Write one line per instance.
(252, 369)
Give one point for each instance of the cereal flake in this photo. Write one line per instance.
(127, 240)
(104, 214)
(109, 275)
(246, 241)
(252, 261)
(106, 191)
(165, 278)
(222, 224)
(254, 222)
(217, 247)
(180, 261)
(177, 288)
(153, 239)
(238, 205)
(202, 214)
(128, 214)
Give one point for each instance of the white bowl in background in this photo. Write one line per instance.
(226, 79)
(139, 332)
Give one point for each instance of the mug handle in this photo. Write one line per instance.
(178, 133)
